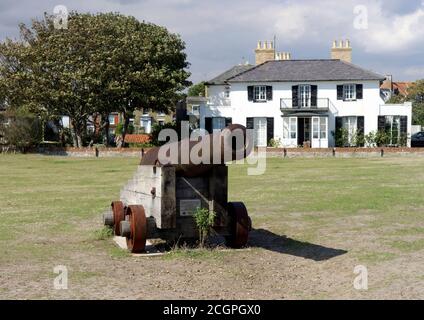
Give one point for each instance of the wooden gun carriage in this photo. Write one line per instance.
(160, 199)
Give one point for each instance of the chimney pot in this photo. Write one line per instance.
(342, 50)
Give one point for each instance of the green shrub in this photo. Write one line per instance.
(141, 145)
(21, 132)
(274, 143)
(342, 137)
(204, 221)
(120, 128)
(370, 139)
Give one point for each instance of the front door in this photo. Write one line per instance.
(304, 131)
(259, 125)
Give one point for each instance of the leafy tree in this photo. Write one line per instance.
(197, 89)
(20, 131)
(416, 95)
(101, 63)
(396, 98)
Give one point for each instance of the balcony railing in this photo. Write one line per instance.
(288, 104)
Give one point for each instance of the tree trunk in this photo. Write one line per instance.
(125, 128)
(107, 127)
(73, 133)
(76, 134)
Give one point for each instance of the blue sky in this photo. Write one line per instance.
(220, 34)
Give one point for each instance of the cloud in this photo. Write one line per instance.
(219, 33)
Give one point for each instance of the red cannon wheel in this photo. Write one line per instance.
(136, 242)
(240, 225)
(118, 215)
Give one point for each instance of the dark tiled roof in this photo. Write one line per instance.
(222, 78)
(305, 70)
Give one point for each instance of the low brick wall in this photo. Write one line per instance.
(271, 152)
(91, 152)
(343, 152)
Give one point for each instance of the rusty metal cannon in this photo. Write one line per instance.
(161, 198)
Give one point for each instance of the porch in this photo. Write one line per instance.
(305, 130)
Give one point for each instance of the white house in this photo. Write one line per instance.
(298, 101)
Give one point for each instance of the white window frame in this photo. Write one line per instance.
(195, 109)
(112, 119)
(350, 124)
(319, 128)
(315, 128)
(349, 92)
(293, 132)
(259, 93)
(305, 95)
(391, 120)
(290, 128)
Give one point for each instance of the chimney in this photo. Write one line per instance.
(283, 56)
(342, 50)
(264, 52)
(389, 81)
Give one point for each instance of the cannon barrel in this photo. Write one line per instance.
(232, 143)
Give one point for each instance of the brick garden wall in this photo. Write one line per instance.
(271, 152)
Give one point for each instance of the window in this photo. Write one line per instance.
(195, 109)
(323, 128)
(290, 128)
(112, 119)
(319, 128)
(305, 96)
(392, 129)
(285, 128)
(349, 92)
(350, 124)
(260, 93)
(315, 128)
(218, 123)
(293, 128)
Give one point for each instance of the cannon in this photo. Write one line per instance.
(162, 196)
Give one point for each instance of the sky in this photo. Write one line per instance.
(386, 36)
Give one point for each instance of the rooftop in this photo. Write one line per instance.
(299, 71)
(223, 77)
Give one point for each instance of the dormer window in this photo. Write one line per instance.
(349, 92)
(260, 93)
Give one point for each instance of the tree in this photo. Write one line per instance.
(197, 90)
(20, 131)
(101, 63)
(416, 95)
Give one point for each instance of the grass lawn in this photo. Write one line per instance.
(314, 221)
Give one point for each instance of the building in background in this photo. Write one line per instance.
(303, 102)
(398, 88)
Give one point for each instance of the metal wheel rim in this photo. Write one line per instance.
(118, 215)
(136, 242)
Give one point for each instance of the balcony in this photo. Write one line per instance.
(323, 105)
